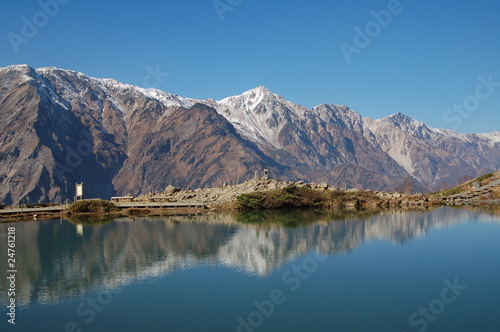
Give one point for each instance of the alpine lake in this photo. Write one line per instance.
(287, 270)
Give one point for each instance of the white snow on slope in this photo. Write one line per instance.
(260, 115)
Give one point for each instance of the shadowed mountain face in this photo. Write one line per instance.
(191, 147)
(59, 127)
(49, 143)
(63, 259)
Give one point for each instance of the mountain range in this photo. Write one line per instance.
(60, 127)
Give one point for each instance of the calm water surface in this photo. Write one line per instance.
(273, 271)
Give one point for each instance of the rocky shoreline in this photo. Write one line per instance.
(224, 198)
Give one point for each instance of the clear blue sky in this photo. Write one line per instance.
(425, 60)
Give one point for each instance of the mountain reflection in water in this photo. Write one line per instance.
(59, 259)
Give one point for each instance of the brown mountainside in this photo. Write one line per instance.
(60, 127)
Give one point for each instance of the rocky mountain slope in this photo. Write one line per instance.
(60, 127)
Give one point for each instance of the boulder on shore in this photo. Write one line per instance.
(171, 189)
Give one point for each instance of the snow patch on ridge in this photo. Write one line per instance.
(493, 137)
(166, 98)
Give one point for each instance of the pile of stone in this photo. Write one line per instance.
(228, 193)
(225, 193)
(212, 197)
(487, 194)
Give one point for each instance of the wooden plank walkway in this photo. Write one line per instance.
(30, 210)
(160, 205)
(123, 205)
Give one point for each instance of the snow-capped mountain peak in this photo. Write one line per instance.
(259, 114)
(250, 99)
(401, 120)
(153, 128)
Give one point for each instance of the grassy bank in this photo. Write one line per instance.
(92, 206)
(294, 196)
